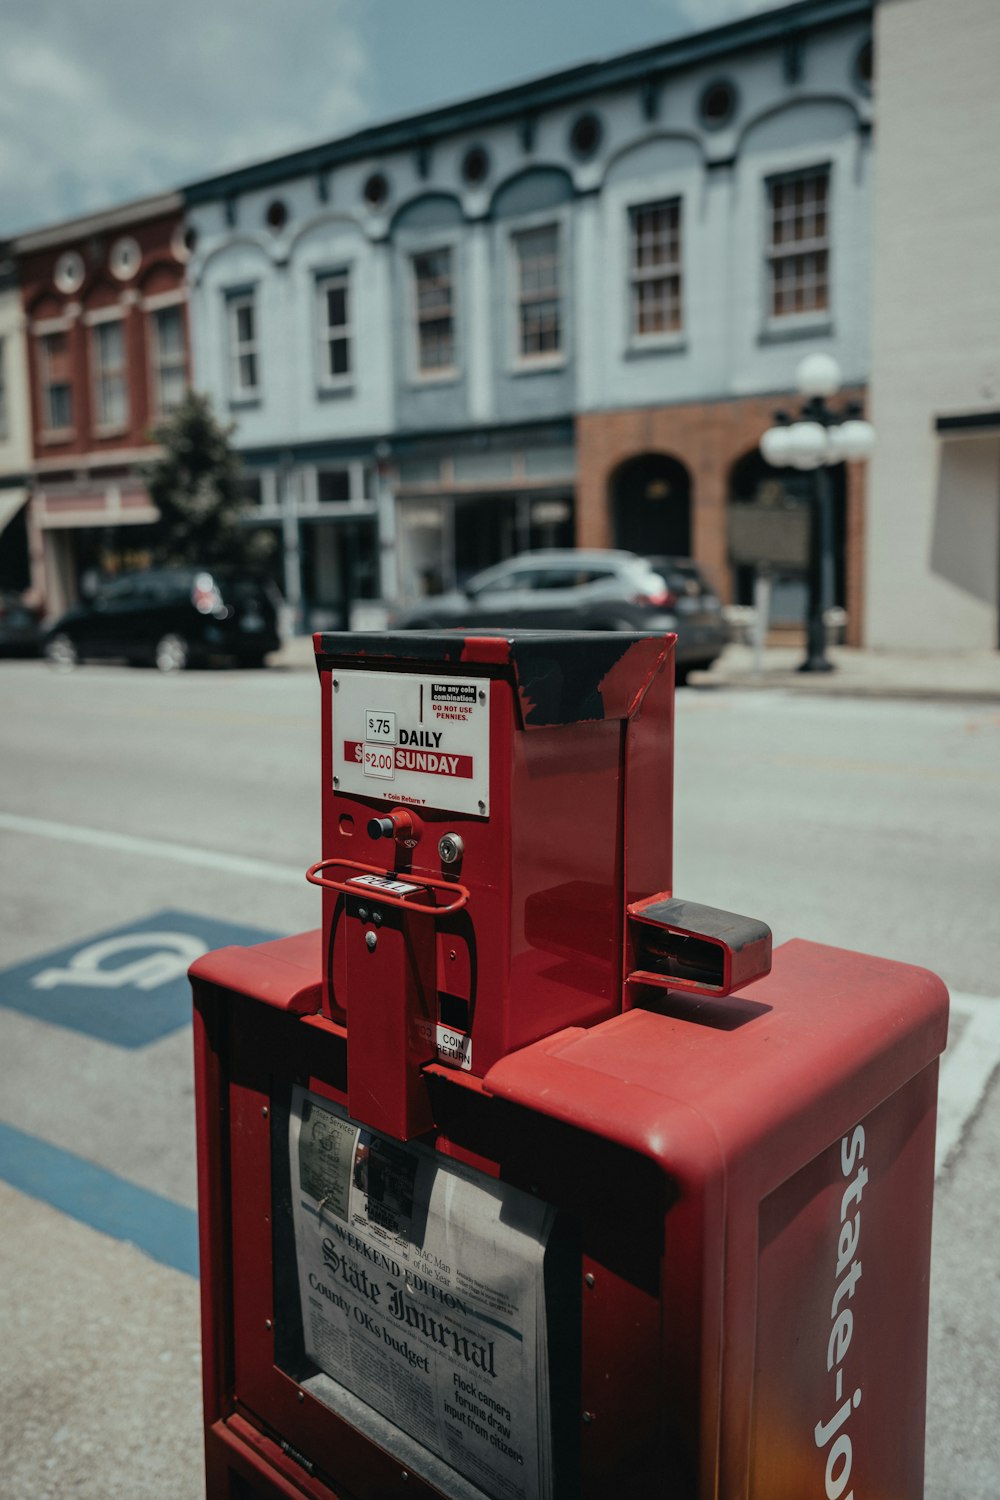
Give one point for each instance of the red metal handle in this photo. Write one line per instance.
(459, 891)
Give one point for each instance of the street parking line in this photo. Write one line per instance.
(165, 1230)
(127, 843)
(966, 1069)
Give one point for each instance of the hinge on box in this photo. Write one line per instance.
(297, 1457)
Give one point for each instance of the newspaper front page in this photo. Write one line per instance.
(421, 1286)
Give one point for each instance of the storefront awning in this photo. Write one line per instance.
(968, 424)
(10, 503)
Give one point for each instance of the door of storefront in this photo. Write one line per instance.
(651, 505)
(339, 566)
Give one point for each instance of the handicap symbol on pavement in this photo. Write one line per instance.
(171, 954)
(128, 987)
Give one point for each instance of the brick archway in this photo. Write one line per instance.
(649, 501)
(708, 437)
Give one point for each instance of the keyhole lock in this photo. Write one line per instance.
(450, 848)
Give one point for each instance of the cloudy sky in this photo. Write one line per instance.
(105, 100)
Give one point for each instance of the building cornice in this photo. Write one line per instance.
(413, 442)
(765, 28)
(136, 212)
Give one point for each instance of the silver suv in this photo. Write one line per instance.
(566, 589)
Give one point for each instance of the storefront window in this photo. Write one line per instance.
(444, 541)
(339, 567)
(424, 540)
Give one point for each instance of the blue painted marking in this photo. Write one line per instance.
(117, 986)
(164, 1230)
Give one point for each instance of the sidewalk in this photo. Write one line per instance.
(962, 676)
(959, 676)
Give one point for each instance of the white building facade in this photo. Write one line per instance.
(15, 439)
(933, 557)
(559, 313)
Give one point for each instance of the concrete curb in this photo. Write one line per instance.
(952, 676)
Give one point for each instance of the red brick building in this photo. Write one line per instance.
(713, 461)
(105, 308)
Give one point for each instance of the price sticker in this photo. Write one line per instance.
(379, 762)
(380, 725)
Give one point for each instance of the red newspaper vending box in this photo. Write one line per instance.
(505, 1191)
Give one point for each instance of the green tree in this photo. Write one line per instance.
(195, 485)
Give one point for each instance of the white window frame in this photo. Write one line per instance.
(238, 349)
(662, 271)
(774, 254)
(358, 503)
(99, 373)
(550, 359)
(153, 308)
(42, 332)
(326, 332)
(428, 375)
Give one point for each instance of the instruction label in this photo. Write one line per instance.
(383, 883)
(419, 740)
(454, 1047)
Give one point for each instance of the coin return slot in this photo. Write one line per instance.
(453, 1011)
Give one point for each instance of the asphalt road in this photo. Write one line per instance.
(190, 806)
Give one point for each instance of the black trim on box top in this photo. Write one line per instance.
(560, 674)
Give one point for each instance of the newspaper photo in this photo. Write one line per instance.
(422, 1293)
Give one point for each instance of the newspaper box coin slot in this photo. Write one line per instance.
(683, 945)
(525, 1178)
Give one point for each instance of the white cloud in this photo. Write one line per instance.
(110, 100)
(104, 100)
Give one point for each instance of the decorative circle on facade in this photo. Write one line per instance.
(864, 66)
(125, 258)
(183, 243)
(276, 215)
(475, 164)
(69, 272)
(717, 103)
(586, 134)
(376, 190)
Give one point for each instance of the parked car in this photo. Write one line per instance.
(567, 589)
(174, 617)
(20, 628)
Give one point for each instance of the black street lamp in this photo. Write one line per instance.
(819, 438)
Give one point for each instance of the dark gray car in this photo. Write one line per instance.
(20, 628)
(569, 589)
